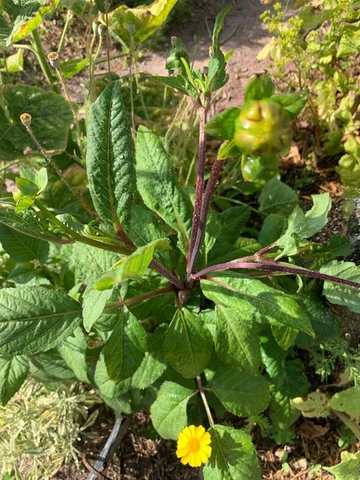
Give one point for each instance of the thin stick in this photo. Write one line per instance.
(69, 17)
(107, 35)
(141, 298)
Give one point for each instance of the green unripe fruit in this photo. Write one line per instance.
(263, 128)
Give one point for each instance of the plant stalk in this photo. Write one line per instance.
(40, 54)
(205, 402)
(273, 266)
(210, 188)
(141, 298)
(199, 188)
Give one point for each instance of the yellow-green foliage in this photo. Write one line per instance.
(39, 428)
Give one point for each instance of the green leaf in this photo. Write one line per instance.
(26, 16)
(49, 366)
(93, 305)
(292, 103)
(110, 157)
(133, 266)
(51, 119)
(315, 404)
(228, 149)
(125, 349)
(179, 83)
(34, 319)
(13, 372)
(153, 364)
(273, 227)
(236, 341)
(23, 248)
(90, 262)
(258, 87)
(29, 224)
(348, 469)
(347, 401)
(341, 294)
(223, 124)
(254, 299)
(168, 412)
(13, 63)
(141, 21)
(233, 456)
(157, 184)
(276, 197)
(241, 393)
(188, 344)
(285, 336)
(73, 351)
(69, 68)
(316, 218)
(350, 40)
(109, 388)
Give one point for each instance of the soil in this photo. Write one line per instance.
(139, 457)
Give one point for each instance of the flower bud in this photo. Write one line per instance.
(25, 119)
(263, 128)
(54, 59)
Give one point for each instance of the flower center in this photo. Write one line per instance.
(193, 445)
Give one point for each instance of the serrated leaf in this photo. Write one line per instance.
(27, 223)
(223, 124)
(23, 248)
(157, 184)
(133, 266)
(110, 157)
(13, 372)
(233, 456)
(241, 393)
(125, 349)
(236, 342)
(107, 387)
(188, 344)
(34, 319)
(341, 294)
(168, 412)
(277, 197)
(254, 299)
(51, 120)
(90, 262)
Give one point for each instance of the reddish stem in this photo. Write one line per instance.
(141, 298)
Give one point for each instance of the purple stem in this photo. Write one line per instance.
(210, 187)
(141, 298)
(272, 267)
(199, 189)
(167, 274)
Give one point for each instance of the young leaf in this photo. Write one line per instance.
(168, 412)
(292, 103)
(276, 197)
(188, 344)
(157, 184)
(132, 267)
(23, 248)
(259, 87)
(241, 393)
(33, 319)
(233, 456)
(236, 342)
(341, 294)
(13, 372)
(223, 124)
(347, 401)
(110, 157)
(254, 299)
(125, 349)
(51, 119)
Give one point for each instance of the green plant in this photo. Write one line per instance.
(319, 46)
(138, 288)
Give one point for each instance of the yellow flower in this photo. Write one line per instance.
(193, 446)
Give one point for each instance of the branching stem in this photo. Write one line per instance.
(141, 298)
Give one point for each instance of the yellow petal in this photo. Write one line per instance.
(185, 460)
(181, 452)
(199, 432)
